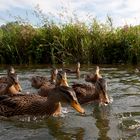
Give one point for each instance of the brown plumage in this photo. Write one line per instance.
(97, 90)
(37, 105)
(11, 83)
(3, 79)
(92, 92)
(93, 77)
(45, 89)
(76, 70)
(38, 81)
(61, 80)
(10, 71)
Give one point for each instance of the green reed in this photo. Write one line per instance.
(69, 42)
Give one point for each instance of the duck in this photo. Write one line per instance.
(76, 71)
(38, 81)
(44, 90)
(87, 93)
(94, 91)
(61, 80)
(10, 71)
(36, 105)
(92, 78)
(10, 84)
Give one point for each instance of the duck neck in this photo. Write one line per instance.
(53, 78)
(96, 95)
(12, 90)
(78, 72)
(53, 107)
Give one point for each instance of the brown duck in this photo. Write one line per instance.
(38, 81)
(92, 92)
(10, 71)
(45, 89)
(10, 84)
(92, 78)
(61, 80)
(76, 70)
(31, 104)
(89, 92)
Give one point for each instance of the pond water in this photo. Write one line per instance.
(118, 121)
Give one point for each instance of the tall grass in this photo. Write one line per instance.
(22, 43)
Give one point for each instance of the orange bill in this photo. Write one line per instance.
(77, 107)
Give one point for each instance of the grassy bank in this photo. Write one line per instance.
(22, 43)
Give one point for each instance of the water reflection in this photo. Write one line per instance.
(120, 122)
(51, 127)
(58, 131)
(101, 115)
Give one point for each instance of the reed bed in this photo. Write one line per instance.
(98, 43)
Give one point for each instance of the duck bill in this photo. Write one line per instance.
(77, 107)
(104, 100)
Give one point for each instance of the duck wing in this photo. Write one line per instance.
(22, 105)
(84, 92)
(37, 81)
(3, 79)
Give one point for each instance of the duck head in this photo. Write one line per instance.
(54, 73)
(62, 79)
(11, 70)
(93, 77)
(68, 95)
(101, 90)
(13, 84)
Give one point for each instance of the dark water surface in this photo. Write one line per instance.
(118, 121)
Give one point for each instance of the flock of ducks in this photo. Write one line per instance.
(52, 93)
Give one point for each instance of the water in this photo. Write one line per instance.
(118, 121)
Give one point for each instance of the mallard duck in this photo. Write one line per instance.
(45, 89)
(31, 104)
(10, 84)
(38, 81)
(10, 71)
(96, 90)
(93, 77)
(76, 71)
(61, 80)
(92, 92)
(85, 92)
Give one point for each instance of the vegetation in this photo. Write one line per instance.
(22, 43)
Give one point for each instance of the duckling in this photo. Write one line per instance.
(93, 77)
(31, 104)
(87, 93)
(11, 86)
(38, 81)
(76, 71)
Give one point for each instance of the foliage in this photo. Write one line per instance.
(22, 43)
